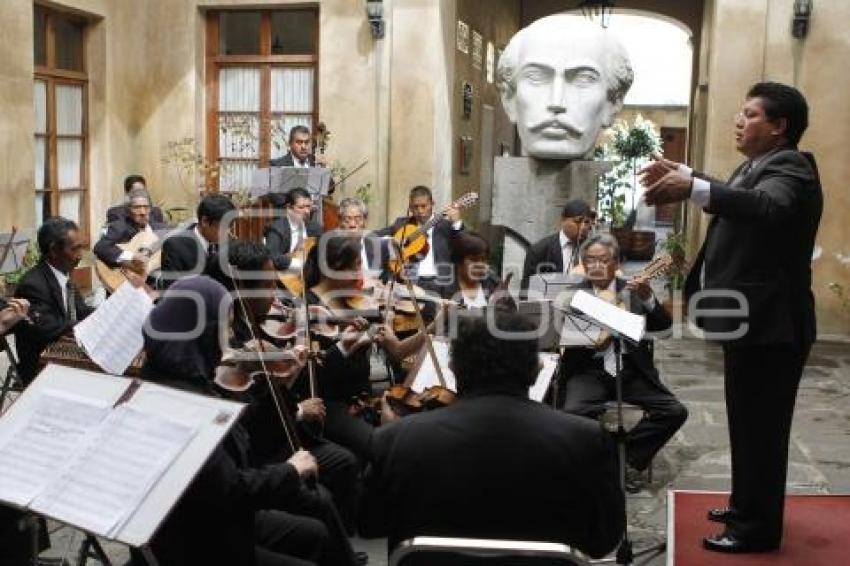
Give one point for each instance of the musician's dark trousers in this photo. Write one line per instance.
(284, 539)
(587, 392)
(339, 472)
(761, 388)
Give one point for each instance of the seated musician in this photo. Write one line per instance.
(353, 215)
(558, 252)
(123, 230)
(434, 271)
(235, 511)
(55, 303)
(122, 211)
(587, 372)
(474, 282)
(287, 235)
(495, 464)
(195, 249)
(253, 276)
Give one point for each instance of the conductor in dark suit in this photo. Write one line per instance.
(123, 230)
(195, 249)
(122, 211)
(299, 151)
(289, 232)
(588, 372)
(435, 271)
(55, 304)
(496, 464)
(558, 252)
(757, 257)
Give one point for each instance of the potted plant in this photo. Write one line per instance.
(611, 197)
(675, 245)
(630, 146)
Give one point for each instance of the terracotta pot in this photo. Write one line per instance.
(624, 240)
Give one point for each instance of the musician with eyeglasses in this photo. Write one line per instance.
(587, 373)
(121, 231)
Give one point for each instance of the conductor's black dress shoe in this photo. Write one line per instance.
(719, 514)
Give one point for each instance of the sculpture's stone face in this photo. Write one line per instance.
(559, 93)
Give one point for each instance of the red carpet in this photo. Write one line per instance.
(817, 532)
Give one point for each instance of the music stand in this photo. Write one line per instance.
(13, 249)
(630, 328)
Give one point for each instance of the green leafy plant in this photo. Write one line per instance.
(629, 147)
(676, 245)
(30, 258)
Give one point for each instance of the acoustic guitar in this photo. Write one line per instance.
(413, 238)
(146, 243)
(292, 280)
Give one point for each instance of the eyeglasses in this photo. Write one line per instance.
(604, 261)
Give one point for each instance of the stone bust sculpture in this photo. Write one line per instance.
(562, 79)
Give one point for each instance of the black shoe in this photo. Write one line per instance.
(635, 480)
(361, 558)
(733, 544)
(719, 514)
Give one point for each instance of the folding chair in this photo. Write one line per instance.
(446, 551)
(11, 382)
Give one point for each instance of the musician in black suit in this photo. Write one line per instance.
(587, 373)
(299, 151)
(55, 304)
(122, 211)
(123, 230)
(352, 215)
(434, 272)
(195, 249)
(552, 253)
(495, 464)
(757, 255)
(290, 231)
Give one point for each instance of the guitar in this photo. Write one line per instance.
(292, 281)
(413, 238)
(146, 243)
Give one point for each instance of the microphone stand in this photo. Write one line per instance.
(625, 552)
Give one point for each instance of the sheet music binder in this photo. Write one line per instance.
(212, 417)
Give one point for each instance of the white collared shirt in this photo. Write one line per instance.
(567, 250)
(62, 279)
(427, 267)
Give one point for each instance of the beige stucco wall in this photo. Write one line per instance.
(384, 101)
(750, 42)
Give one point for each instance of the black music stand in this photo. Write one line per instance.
(625, 553)
(13, 248)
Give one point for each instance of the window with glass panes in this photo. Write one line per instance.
(261, 73)
(59, 97)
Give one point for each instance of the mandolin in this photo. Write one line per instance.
(413, 238)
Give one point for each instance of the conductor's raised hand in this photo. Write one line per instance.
(655, 170)
(675, 186)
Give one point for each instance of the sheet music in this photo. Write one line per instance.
(99, 489)
(32, 453)
(619, 320)
(427, 375)
(112, 334)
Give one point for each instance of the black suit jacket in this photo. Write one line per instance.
(637, 358)
(288, 161)
(183, 254)
(759, 244)
(544, 256)
(47, 309)
(121, 212)
(497, 466)
(278, 236)
(119, 232)
(440, 242)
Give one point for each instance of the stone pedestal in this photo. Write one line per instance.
(528, 196)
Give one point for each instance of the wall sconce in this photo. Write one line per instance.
(802, 15)
(375, 13)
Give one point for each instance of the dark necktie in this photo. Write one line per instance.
(212, 249)
(71, 302)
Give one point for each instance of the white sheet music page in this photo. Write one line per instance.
(32, 453)
(619, 320)
(541, 385)
(107, 480)
(112, 334)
